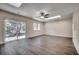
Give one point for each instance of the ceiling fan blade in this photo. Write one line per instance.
(42, 13)
(46, 16)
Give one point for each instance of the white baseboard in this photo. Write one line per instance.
(59, 35)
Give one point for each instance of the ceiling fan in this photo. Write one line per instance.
(46, 16)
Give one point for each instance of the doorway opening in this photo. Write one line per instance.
(14, 30)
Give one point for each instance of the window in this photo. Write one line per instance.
(36, 26)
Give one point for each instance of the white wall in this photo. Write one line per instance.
(59, 28)
(76, 29)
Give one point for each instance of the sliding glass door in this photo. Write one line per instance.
(14, 30)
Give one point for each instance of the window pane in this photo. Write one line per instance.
(34, 26)
(38, 26)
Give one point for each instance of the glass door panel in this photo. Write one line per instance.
(14, 30)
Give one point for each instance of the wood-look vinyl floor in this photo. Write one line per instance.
(41, 45)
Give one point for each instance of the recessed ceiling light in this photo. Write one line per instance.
(16, 4)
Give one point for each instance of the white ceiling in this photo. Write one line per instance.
(16, 4)
(31, 9)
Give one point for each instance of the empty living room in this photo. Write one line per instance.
(39, 28)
